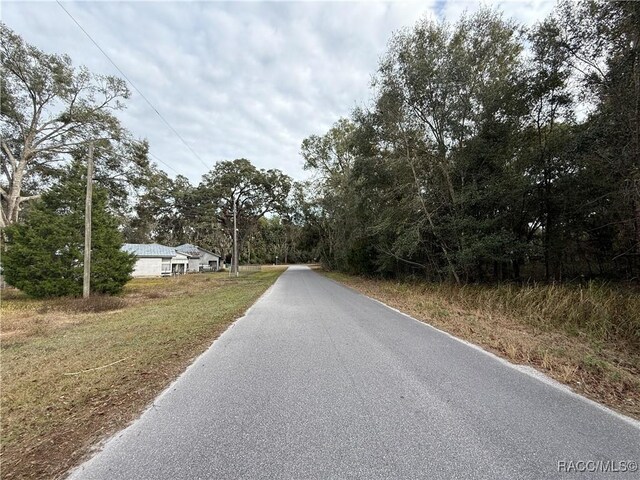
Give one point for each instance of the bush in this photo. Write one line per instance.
(44, 256)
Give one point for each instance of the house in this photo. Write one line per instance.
(199, 258)
(194, 260)
(155, 260)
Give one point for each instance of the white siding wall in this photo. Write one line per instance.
(205, 258)
(147, 267)
(194, 264)
(179, 263)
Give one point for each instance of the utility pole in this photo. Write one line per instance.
(86, 283)
(235, 235)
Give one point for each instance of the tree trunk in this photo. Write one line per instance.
(13, 204)
(636, 182)
(636, 222)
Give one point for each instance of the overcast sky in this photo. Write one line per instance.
(236, 79)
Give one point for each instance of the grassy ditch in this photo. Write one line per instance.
(75, 371)
(586, 337)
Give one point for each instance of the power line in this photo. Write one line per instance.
(134, 86)
(164, 163)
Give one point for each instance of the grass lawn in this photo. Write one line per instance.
(76, 371)
(585, 337)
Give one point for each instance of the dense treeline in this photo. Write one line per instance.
(173, 212)
(490, 152)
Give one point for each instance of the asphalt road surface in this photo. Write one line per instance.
(317, 381)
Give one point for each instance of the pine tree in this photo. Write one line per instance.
(44, 255)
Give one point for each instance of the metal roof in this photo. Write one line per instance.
(149, 250)
(189, 249)
(193, 250)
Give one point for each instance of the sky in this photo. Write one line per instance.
(236, 79)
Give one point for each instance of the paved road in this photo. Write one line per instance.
(317, 381)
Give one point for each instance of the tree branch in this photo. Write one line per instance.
(28, 198)
(12, 159)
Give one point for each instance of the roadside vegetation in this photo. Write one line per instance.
(490, 152)
(77, 370)
(585, 336)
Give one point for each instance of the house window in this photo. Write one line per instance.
(166, 265)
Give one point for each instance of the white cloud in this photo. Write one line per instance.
(236, 79)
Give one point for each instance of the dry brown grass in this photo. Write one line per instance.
(24, 317)
(587, 338)
(274, 268)
(75, 371)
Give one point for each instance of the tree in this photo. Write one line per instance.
(255, 191)
(547, 130)
(44, 256)
(602, 43)
(123, 169)
(330, 157)
(490, 152)
(437, 88)
(48, 110)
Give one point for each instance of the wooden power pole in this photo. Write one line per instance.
(86, 284)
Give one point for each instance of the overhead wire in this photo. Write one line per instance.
(136, 89)
(164, 163)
